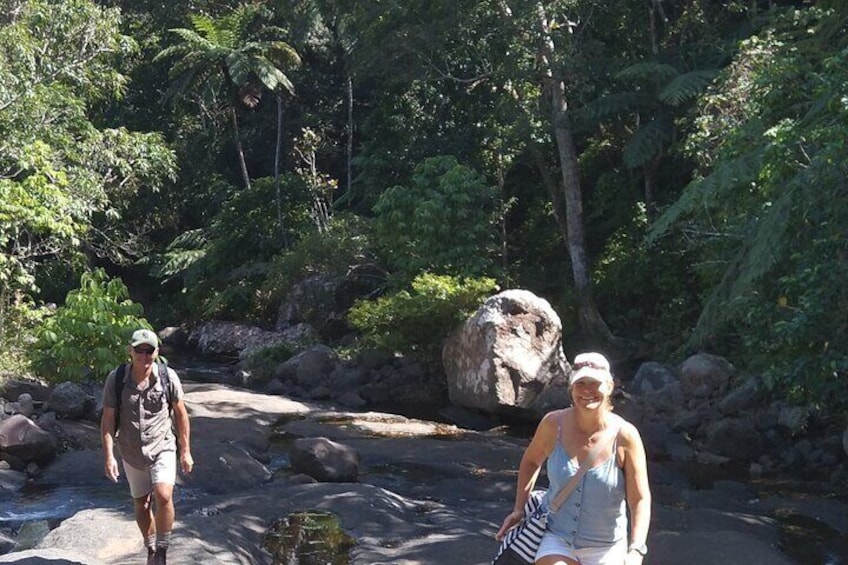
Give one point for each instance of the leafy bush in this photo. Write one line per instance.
(443, 221)
(416, 322)
(88, 335)
(263, 362)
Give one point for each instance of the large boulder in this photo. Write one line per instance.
(229, 338)
(23, 442)
(508, 356)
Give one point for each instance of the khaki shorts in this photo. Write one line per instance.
(163, 470)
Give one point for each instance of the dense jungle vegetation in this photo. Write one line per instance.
(669, 174)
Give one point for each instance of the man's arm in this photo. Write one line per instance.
(107, 433)
(183, 436)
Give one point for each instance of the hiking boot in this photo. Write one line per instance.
(151, 554)
(159, 557)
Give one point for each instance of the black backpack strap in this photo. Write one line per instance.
(120, 374)
(165, 381)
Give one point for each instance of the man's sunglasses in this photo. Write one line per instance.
(144, 350)
(578, 366)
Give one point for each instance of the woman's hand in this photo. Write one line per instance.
(633, 558)
(512, 519)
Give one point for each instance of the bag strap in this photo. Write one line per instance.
(590, 460)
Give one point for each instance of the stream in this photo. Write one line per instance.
(806, 540)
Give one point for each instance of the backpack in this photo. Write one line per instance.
(120, 372)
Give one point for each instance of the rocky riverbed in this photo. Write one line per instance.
(426, 493)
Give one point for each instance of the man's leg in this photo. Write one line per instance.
(164, 516)
(164, 475)
(144, 519)
(140, 489)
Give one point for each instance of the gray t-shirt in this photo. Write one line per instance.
(146, 425)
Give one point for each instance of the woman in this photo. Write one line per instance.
(590, 528)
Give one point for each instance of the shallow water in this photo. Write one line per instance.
(309, 538)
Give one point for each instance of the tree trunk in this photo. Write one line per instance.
(239, 148)
(550, 182)
(277, 151)
(589, 317)
(349, 133)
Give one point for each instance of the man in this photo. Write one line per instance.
(141, 420)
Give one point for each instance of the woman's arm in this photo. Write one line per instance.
(638, 489)
(528, 470)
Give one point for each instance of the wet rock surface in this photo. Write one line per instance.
(427, 493)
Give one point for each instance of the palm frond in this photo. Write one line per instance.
(193, 40)
(614, 105)
(205, 26)
(686, 86)
(647, 142)
(660, 72)
(704, 192)
(270, 76)
(754, 259)
(239, 66)
(283, 55)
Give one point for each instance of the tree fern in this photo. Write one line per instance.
(647, 70)
(754, 259)
(648, 141)
(612, 106)
(686, 86)
(705, 193)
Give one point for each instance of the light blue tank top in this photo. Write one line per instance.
(595, 514)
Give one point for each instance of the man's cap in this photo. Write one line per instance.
(591, 366)
(144, 336)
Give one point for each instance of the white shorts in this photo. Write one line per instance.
(552, 544)
(163, 470)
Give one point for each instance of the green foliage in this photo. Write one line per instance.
(87, 336)
(65, 180)
(222, 267)
(442, 221)
(767, 214)
(417, 321)
(345, 243)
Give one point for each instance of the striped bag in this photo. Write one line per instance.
(519, 545)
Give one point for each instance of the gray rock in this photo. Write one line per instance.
(22, 441)
(325, 460)
(705, 369)
(508, 355)
(229, 338)
(69, 400)
(11, 480)
(48, 557)
(742, 398)
(322, 301)
(13, 388)
(7, 544)
(26, 406)
(31, 534)
(736, 438)
(653, 377)
(314, 365)
(794, 419)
